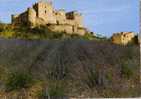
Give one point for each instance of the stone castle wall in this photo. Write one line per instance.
(61, 28)
(18, 19)
(43, 13)
(67, 29)
(122, 38)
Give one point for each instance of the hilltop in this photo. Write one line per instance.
(39, 33)
(69, 67)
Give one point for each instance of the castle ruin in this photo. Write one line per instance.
(43, 13)
(122, 37)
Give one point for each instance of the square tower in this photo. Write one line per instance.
(44, 11)
(77, 17)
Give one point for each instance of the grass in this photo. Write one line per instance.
(55, 89)
(126, 71)
(18, 80)
(37, 33)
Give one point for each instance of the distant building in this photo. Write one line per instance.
(43, 13)
(122, 37)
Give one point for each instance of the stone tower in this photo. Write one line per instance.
(44, 10)
(74, 15)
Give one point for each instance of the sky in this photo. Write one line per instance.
(104, 17)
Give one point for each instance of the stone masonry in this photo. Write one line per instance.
(43, 13)
(122, 37)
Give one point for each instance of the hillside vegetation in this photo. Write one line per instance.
(37, 33)
(68, 68)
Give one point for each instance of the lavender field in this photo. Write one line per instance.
(81, 67)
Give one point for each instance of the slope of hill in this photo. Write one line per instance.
(70, 67)
(37, 33)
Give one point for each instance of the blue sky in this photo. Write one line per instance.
(101, 16)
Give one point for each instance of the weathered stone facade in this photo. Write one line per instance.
(43, 13)
(122, 38)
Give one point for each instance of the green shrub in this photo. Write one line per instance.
(2, 26)
(109, 76)
(42, 32)
(126, 71)
(75, 36)
(7, 33)
(90, 78)
(88, 36)
(56, 88)
(18, 80)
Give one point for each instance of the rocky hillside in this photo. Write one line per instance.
(69, 67)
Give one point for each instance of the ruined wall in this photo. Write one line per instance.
(60, 17)
(40, 21)
(122, 38)
(45, 11)
(14, 19)
(78, 20)
(31, 17)
(20, 19)
(70, 22)
(116, 39)
(68, 29)
(61, 28)
(75, 17)
(81, 31)
(128, 36)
